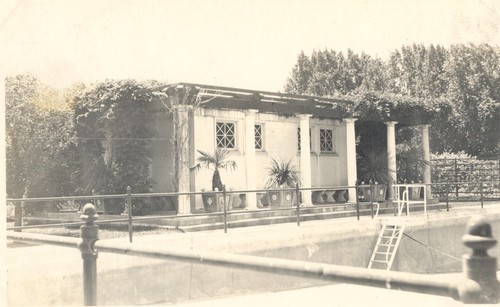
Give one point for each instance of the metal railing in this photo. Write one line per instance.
(366, 194)
(130, 219)
(479, 283)
(464, 171)
(460, 191)
(408, 194)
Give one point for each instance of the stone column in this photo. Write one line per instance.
(351, 156)
(305, 159)
(250, 163)
(182, 127)
(391, 155)
(427, 158)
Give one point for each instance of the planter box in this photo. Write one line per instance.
(209, 202)
(280, 198)
(380, 191)
(214, 202)
(414, 193)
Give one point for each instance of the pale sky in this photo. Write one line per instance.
(246, 44)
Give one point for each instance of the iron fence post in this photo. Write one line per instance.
(129, 206)
(456, 178)
(372, 195)
(481, 193)
(89, 235)
(447, 186)
(298, 203)
(225, 209)
(390, 198)
(479, 267)
(357, 200)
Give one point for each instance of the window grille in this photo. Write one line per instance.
(259, 137)
(225, 135)
(326, 140)
(298, 139)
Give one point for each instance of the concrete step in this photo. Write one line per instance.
(306, 215)
(233, 216)
(275, 220)
(269, 216)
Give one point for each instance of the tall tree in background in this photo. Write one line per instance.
(374, 74)
(417, 71)
(38, 139)
(329, 73)
(466, 76)
(473, 74)
(299, 77)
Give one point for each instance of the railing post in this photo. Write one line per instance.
(456, 178)
(390, 199)
(447, 197)
(481, 193)
(129, 206)
(89, 235)
(18, 215)
(357, 200)
(225, 209)
(372, 195)
(298, 203)
(479, 267)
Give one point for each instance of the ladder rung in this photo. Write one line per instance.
(387, 244)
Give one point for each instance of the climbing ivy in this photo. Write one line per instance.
(114, 130)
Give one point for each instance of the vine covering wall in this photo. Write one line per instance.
(114, 129)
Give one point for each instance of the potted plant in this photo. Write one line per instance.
(281, 174)
(414, 192)
(373, 169)
(216, 161)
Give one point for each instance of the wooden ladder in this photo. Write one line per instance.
(386, 247)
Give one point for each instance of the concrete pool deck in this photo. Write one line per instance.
(328, 296)
(52, 274)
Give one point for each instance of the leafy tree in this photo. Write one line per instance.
(331, 73)
(417, 71)
(299, 77)
(38, 140)
(474, 89)
(373, 74)
(456, 90)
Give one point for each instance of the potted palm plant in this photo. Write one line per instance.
(281, 174)
(372, 168)
(216, 161)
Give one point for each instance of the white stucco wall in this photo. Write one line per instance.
(280, 141)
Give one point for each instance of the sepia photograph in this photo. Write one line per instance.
(250, 153)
